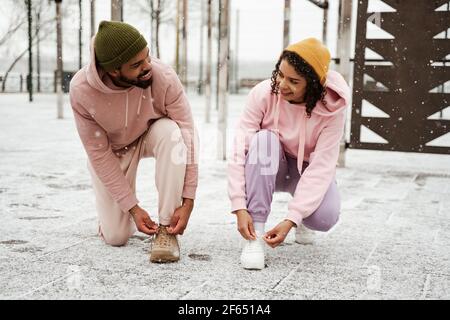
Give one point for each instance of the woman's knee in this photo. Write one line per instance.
(264, 137)
(325, 217)
(322, 224)
(264, 145)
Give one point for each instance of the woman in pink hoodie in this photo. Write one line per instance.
(288, 140)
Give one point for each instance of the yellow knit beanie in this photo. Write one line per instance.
(315, 54)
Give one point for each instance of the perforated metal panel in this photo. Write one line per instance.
(407, 85)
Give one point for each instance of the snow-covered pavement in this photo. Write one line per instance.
(392, 241)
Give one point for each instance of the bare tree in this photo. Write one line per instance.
(160, 12)
(38, 11)
(44, 31)
(44, 28)
(155, 22)
(18, 18)
(30, 51)
(12, 29)
(37, 14)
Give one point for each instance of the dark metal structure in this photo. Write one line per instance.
(407, 81)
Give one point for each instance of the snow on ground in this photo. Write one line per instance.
(392, 241)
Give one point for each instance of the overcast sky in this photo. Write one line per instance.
(260, 26)
(260, 32)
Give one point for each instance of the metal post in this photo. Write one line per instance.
(287, 22)
(441, 113)
(177, 38)
(223, 79)
(343, 53)
(208, 66)
(93, 27)
(80, 35)
(325, 25)
(38, 49)
(157, 25)
(344, 38)
(184, 68)
(30, 53)
(202, 24)
(236, 55)
(59, 71)
(117, 10)
(218, 56)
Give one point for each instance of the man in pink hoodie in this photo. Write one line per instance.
(128, 106)
(288, 140)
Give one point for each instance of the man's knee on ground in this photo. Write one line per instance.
(115, 239)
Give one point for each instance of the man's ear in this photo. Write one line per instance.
(115, 73)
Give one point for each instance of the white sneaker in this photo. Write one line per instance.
(252, 256)
(304, 235)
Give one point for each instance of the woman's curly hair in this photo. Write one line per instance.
(314, 90)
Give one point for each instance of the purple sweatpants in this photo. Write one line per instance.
(268, 169)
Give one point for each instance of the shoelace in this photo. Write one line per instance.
(163, 238)
(255, 246)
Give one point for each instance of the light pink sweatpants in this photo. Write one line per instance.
(162, 141)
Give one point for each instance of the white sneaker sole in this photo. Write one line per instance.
(252, 265)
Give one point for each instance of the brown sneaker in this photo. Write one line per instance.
(165, 247)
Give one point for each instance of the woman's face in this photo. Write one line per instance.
(292, 85)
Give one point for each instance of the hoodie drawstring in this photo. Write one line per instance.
(140, 103)
(277, 116)
(126, 107)
(301, 136)
(126, 111)
(301, 142)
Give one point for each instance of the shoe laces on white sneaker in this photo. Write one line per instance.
(253, 254)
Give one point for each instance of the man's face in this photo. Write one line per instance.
(136, 72)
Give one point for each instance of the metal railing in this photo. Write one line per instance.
(17, 83)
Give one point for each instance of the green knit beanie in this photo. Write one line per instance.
(116, 43)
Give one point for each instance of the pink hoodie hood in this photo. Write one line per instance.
(315, 140)
(337, 95)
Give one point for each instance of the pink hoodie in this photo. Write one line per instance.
(109, 119)
(315, 140)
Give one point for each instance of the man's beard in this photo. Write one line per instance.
(144, 84)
